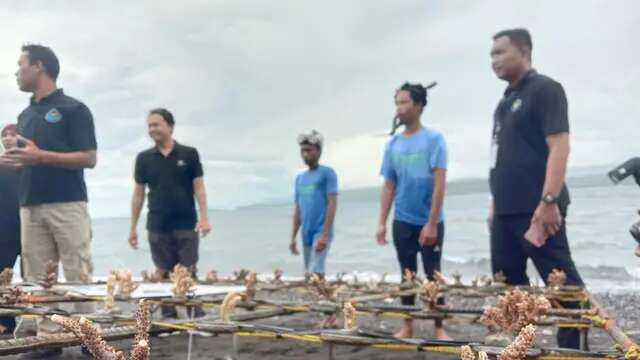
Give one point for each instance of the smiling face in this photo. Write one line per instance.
(158, 128)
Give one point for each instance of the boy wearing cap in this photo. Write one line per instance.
(315, 205)
(316, 191)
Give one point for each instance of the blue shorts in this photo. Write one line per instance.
(314, 261)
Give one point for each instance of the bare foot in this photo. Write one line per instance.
(330, 322)
(404, 333)
(441, 334)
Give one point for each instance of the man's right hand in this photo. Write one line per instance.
(490, 216)
(381, 235)
(637, 252)
(293, 247)
(133, 239)
(6, 162)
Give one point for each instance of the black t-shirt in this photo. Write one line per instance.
(530, 111)
(56, 123)
(9, 207)
(170, 180)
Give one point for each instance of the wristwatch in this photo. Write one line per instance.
(550, 199)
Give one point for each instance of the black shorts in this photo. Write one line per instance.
(176, 247)
(406, 241)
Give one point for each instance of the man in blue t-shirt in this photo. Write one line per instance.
(316, 200)
(414, 169)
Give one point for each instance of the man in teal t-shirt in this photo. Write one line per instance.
(315, 205)
(414, 169)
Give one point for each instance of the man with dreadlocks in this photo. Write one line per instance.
(414, 169)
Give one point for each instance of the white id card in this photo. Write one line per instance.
(494, 154)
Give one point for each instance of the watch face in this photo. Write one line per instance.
(549, 199)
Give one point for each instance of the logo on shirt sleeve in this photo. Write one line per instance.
(53, 116)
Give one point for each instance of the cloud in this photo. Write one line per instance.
(245, 77)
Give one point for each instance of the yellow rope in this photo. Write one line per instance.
(596, 320)
(633, 353)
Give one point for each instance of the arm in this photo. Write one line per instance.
(437, 198)
(559, 149)
(72, 160)
(296, 227)
(137, 200)
(330, 214)
(386, 199)
(201, 197)
(30, 155)
(332, 204)
(429, 233)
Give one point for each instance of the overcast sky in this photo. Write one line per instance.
(243, 78)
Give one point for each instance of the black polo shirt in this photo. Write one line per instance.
(56, 123)
(533, 109)
(170, 180)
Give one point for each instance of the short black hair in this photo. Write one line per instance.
(46, 56)
(165, 114)
(417, 92)
(519, 37)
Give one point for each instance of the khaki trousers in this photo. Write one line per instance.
(57, 232)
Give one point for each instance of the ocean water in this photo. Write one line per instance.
(257, 237)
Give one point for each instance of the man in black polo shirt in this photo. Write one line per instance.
(530, 149)
(174, 175)
(56, 143)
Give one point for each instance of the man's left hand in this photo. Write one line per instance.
(27, 155)
(322, 242)
(203, 227)
(548, 215)
(429, 235)
(637, 252)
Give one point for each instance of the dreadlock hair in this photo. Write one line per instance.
(417, 92)
(418, 95)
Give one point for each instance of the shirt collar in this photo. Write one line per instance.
(156, 150)
(520, 84)
(54, 95)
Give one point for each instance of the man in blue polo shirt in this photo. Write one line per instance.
(414, 169)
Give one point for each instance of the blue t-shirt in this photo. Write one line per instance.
(312, 187)
(409, 162)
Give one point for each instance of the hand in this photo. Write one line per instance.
(548, 215)
(491, 215)
(293, 247)
(536, 234)
(7, 162)
(428, 235)
(381, 235)
(27, 155)
(321, 244)
(202, 227)
(133, 239)
(637, 252)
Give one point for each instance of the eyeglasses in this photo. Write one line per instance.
(314, 138)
